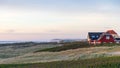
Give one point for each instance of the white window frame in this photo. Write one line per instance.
(107, 37)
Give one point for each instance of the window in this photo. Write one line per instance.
(107, 37)
(97, 36)
(93, 36)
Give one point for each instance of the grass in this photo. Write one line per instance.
(18, 49)
(106, 62)
(99, 62)
(75, 45)
(66, 46)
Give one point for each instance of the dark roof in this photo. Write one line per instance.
(117, 38)
(95, 35)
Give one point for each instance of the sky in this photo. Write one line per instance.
(34, 20)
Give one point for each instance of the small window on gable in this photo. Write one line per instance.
(93, 36)
(97, 36)
(107, 37)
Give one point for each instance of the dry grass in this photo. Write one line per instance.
(73, 54)
(13, 55)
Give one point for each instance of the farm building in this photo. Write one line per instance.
(103, 37)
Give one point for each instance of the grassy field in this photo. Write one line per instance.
(74, 45)
(18, 49)
(50, 53)
(70, 55)
(106, 62)
(67, 46)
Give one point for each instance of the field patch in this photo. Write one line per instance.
(106, 62)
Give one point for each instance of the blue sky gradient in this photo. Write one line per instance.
(49, 19)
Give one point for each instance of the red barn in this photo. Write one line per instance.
(103, 37)
(106, 38)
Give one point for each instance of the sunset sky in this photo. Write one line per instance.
(36, 20)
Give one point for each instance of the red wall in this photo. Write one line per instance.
(103, 39)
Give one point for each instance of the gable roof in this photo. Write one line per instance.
(94, 35)
(111, 32)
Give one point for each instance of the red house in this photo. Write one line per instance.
(106, 38)
(103, 37)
